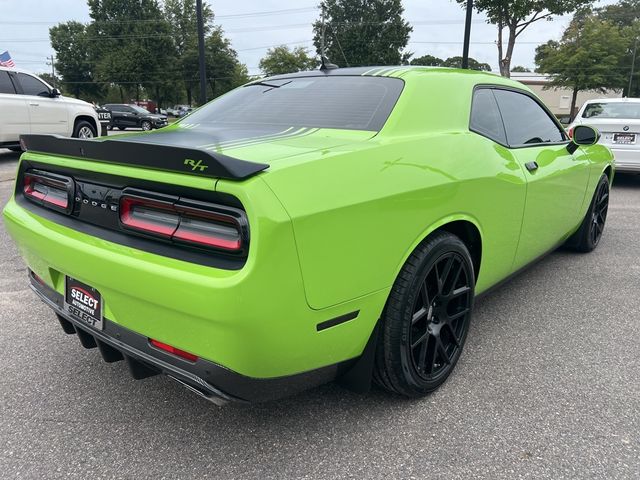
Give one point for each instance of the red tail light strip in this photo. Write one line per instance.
(53, 191)
(201, 225)
(173, 350)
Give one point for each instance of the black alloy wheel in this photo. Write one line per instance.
(599, 213)
(590, 232)
(426, 319)
(440, 316)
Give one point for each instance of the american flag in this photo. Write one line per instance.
(5, 60)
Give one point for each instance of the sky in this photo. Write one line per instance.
(253, 26)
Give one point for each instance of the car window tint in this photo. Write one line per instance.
(325, 101)
(485, 116)
(525, 121)
(31, 85)
(5, 83)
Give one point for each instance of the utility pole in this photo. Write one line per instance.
(633, 64)
(53, 69)
(467, 35)
(324, 27)
(203, 73)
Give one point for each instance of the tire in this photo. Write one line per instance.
(145, 125)
(84, 129)
(109, 127)
(16, 149)
(426, 319)
(121, 128)
(588, 236)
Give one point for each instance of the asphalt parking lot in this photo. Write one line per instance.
(548, 387)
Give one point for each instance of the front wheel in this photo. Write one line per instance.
(589, 234)
(426, 319)
(146, 126)
(84, 129)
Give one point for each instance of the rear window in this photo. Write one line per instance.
(353, 103)
(612, 110)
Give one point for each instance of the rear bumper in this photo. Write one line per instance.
(207, 379)
(627, 160)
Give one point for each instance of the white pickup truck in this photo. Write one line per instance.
(30, 105)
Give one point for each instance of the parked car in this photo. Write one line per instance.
(132, 116)
(184, 111)
(274, 241)
(30, 105)
(618, 120)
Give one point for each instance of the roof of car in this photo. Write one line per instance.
(613, 100)
(17, 70)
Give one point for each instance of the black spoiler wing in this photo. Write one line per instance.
(191, 161)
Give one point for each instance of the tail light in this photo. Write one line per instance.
(184, 221)
(49, 190)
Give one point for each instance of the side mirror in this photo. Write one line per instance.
(55, 93)
(583, 135)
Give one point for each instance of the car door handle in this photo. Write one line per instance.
(531, 166)
(34, 104)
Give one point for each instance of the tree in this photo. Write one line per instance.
(132, 46)
(515, 17)
(520, 69)
(456, 62)
(73, 63)
(282, 59)
(586, 58)
(362, 32)
(626, 15)
(427, 61)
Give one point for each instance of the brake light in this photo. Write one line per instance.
(49, 190)
(184, 221)
(173, 350)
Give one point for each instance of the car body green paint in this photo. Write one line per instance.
(332, 221)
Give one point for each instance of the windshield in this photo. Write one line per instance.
(139, 109)
(624, 110)
(344, 102)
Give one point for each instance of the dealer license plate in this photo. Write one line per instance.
(83, 302)
(624, 138)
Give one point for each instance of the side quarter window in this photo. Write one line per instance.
(525, 121)
(485, 116)
(6, 86)
(32, 86)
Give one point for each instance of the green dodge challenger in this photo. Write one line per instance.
(334, 224)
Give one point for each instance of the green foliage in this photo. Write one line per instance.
(427, 61)
(626, 15)
(516, 16)
(282, 59)
(143, 48)
(73, 60)
(456, 62)
(587, 58)
(362, 32)
(520, 69)
(451, 62)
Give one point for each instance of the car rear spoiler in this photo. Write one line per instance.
(148, 155)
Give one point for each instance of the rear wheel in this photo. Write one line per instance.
(426, 318)
(84, 129)
(589, 234)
